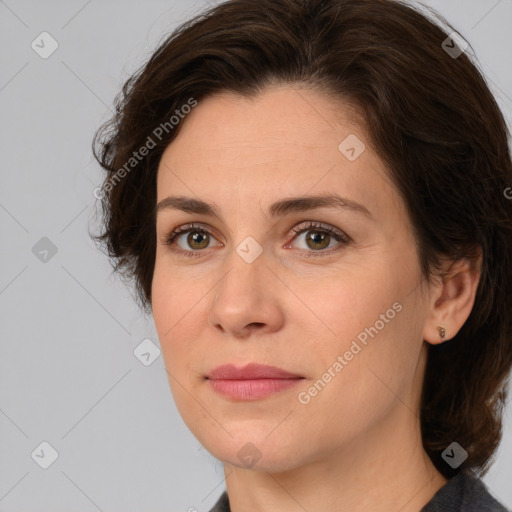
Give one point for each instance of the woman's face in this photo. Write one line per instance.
(343, 310)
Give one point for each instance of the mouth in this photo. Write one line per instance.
(251, 382)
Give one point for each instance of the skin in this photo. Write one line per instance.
(356, 445)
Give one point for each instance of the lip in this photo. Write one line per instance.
(249, 372)
(251, 382)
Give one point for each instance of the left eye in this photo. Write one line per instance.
(318, 236)
(198, 238)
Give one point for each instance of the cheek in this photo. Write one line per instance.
(175, 312)
(350, 302)
(377, 367)
(175, 307)
(367, 323)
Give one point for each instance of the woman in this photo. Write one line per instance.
(311, 197)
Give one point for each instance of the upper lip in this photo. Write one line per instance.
(250, 372)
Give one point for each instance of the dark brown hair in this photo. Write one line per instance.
(429, 116)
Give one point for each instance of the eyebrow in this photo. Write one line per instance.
(279, 208)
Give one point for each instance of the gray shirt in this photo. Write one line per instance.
(465, 492)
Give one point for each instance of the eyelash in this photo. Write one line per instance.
(339, 236)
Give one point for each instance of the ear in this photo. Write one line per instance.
(452, 299)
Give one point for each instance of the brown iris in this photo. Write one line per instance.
(195, 236)
(317, 237)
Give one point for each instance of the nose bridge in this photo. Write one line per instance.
(246, 264)
(241, 299)
(242, 295)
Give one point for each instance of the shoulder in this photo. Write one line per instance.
(465, 492)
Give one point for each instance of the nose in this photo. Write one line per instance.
(246, 300)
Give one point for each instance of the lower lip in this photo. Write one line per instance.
(253, 389)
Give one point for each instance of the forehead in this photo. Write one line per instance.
(285, 141)
(275, 120)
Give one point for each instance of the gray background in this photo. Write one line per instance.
(68, 327)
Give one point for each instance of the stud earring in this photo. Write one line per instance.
(442, 333)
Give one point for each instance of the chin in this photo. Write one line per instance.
(256, 450)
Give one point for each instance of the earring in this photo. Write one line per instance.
(442, 333)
